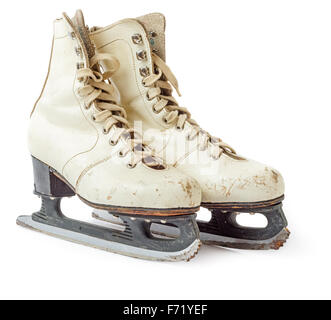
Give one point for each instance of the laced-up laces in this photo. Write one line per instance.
(99, 92)
(160, 85)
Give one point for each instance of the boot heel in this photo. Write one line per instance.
(46, 183)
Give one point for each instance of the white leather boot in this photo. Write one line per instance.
(230, 183)
(82, 143)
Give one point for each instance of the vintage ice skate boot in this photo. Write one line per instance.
(230, 184)
(82, 144)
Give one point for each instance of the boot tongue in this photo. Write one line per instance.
(79, 23)
(154, 24)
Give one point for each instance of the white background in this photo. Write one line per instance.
(255, 73)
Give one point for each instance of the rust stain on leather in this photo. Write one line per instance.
(186, 188)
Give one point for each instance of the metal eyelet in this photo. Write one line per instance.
(121, 154)
(78, 51)
(148, 97)
(92, 117)
(141, 55)
(86, 106)
(130, 166)
(137, 38)
(165, 120)
(155, 111)
(179, 128)
(80, 65)
(152, 36)
(113, 143)
(105, 131)
(144, 72)
(188, 138)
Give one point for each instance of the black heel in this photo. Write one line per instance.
(46, 183)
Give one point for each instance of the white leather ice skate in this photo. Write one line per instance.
(230, 184)
(82, 144)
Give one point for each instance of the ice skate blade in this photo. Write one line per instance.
(115, 247)
(224, 230)
(274, 243)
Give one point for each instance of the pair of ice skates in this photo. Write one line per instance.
(102, 82)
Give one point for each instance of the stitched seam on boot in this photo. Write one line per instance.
(89, 122)
(87, 169)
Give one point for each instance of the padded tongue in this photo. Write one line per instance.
(154, 24)
(79, 23)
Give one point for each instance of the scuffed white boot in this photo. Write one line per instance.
(82, 144)
(230, 183)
